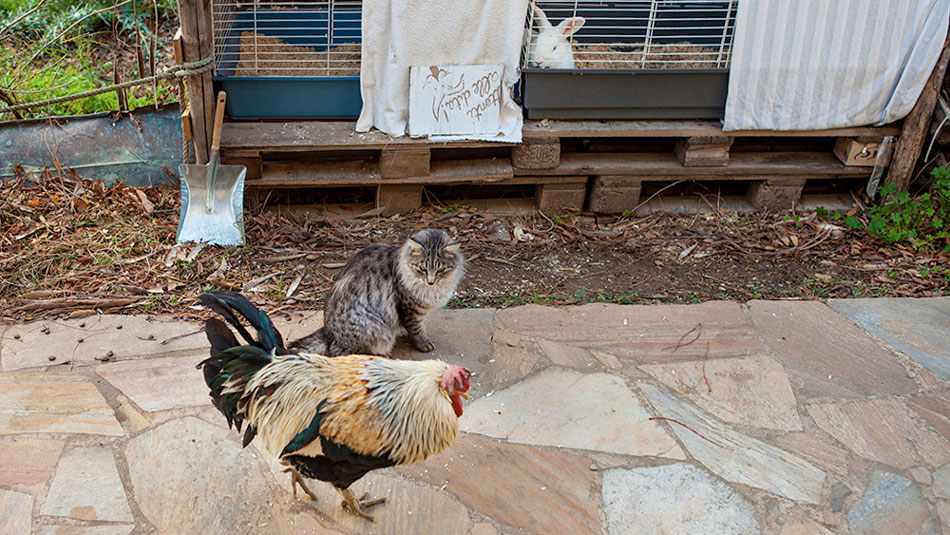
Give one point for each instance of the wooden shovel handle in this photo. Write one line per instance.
(218, 121)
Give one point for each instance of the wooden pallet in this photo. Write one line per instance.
(326, 154)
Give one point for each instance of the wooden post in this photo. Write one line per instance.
(703, 151)
(537, 153)
(195, 44)
(776, 195)
(398, 198)
(561, 197)
(402, 163)
(915, 127)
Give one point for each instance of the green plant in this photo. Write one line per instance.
(921, 221)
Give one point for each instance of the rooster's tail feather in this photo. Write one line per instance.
(227, 303)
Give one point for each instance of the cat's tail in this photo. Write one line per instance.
(315, 342)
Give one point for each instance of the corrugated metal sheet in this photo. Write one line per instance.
(137, 149)
(815, 64)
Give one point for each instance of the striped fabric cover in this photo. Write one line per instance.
(815, 64)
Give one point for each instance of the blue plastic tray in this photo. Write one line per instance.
(291, 97)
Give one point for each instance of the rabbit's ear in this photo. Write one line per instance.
(542, 19)
(570, 26)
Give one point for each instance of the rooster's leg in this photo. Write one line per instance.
(297, 479)
(358, 506)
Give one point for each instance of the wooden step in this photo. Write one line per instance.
(665, 166)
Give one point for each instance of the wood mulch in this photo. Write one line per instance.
(71, 247)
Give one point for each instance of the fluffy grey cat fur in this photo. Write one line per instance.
(382, 288)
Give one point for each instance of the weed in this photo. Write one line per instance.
(921, 221)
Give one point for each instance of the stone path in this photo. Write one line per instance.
(785, 418)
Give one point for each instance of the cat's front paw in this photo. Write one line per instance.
(425, 345)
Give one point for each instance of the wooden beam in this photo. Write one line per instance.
(665, 166)
(775, 195)
(398, 198)
(314, 136)
(910, 144)
(537, 153)
(562, 198)
(681, 128)
(201, 114)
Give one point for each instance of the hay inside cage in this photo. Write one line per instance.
(262, 55)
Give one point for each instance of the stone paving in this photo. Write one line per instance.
(786, 418)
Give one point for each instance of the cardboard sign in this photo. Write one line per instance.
(454, 99)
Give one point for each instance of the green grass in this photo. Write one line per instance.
(66, 47)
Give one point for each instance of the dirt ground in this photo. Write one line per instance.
(72, 247)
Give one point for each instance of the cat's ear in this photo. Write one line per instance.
(414, 246)
(452, 248)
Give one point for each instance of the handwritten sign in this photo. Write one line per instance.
(454, 99)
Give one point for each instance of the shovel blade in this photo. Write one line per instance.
(224, 224)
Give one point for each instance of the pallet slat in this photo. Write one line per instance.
(584, 129)
(366, 173)
(296, 136)
(665, 166)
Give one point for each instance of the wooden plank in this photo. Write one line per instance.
(687, 128)
(177, 47)
(196, 103)
(294, 136)
(205, 48)
(363, 173)
(404, 162)
(910, 144)
(664, 166)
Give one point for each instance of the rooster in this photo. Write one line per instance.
(332, 419)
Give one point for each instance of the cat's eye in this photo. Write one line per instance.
(440, 270)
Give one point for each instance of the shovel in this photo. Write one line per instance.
(212, 195)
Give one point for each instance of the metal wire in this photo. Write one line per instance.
(642, 34)
(286, 38)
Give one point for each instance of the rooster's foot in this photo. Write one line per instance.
(359, 506)
(297, 479)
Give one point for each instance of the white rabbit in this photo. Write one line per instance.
(550, 48)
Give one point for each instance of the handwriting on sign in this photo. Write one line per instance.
(457, 99)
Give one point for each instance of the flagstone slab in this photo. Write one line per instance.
(918, 328)
(752, 391)
(81, 341)
(568, 356)
(645, 333)
(736, 457)
(804, 527)
(54, 403)
(825, 354)
(159, 384)
(28, 461)
(569, 409)
(306, 524)
(411, 507)
(676, 499)
(110, 529)
(817, 451)
(882, 430)
(189, 476)
(297, 324)
(941, 482)
(16, 512)
(87, 487)
(934, 407)
(536, 490)
(461, 337)
(508, 364)
(892, 504)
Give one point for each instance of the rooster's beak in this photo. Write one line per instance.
(462, 394)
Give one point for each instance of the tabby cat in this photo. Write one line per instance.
(382, 288)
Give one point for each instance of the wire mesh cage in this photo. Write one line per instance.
(275, 38)
(286, 59)
(629, 34)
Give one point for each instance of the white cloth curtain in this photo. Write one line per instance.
(816, 64)
(398, 34)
